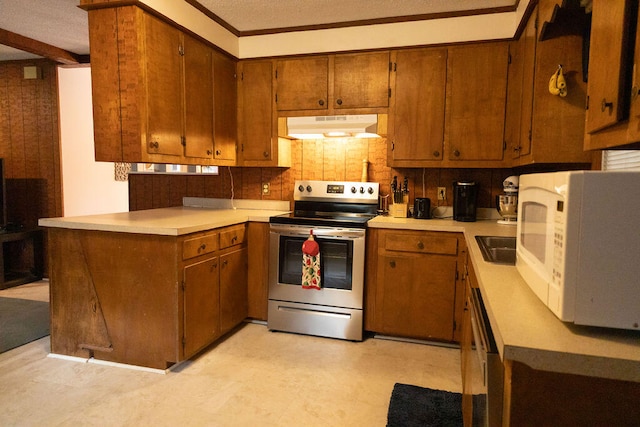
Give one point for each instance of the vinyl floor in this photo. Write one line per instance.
(254, 377)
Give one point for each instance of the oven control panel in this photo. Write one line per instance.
(362, 192)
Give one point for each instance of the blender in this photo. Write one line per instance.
(507, 203)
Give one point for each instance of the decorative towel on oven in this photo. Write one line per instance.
(310, 263)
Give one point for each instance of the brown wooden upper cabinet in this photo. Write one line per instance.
(333, 84)
(224, 110)
(258, 142)
(303, 84)
(610, 34)
(541, 127)
(613, 110)
(448, 106)
(476, 100)
(416, 116)
(153, 91)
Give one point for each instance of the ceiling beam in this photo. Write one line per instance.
(36, 47)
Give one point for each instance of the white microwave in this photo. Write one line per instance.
(578, 245)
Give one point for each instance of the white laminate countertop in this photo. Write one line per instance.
(174, 221)
(525, 330)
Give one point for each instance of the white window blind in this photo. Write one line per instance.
(621, 160)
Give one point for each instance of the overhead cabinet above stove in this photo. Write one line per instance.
(333, 84)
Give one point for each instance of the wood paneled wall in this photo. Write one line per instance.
(30, 141)
(339, 159)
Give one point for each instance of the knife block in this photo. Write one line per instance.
(398, 210)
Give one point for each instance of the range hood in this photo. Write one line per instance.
(316, 127)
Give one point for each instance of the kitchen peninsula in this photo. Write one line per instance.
(150, 288)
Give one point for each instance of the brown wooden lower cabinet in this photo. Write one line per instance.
(144, 299)
(258, 257)
(413, 288)
(532, 397)
(541, 398)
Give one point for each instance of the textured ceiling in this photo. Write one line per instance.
(252, 15)
(62, 24)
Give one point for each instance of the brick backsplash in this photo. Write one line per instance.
(334, 159)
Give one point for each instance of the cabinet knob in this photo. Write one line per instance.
(209, 152)
(420, 245)
(339, 101)
(516, 149)
(321, 102)
(224, 263)
(266, 154)
(605, 105)
(154, 144)
(202, 247)
(392, 264)
(456, 153)
(218, 152)
(234, 239)
(436, 154)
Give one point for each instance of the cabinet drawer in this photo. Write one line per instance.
(232, 236)
(199, 245)
(421, 243)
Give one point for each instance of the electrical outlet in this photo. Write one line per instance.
(442, 193)
(266, 188)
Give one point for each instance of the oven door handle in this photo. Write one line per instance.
(334, 233)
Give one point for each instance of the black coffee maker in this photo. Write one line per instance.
(465, 198)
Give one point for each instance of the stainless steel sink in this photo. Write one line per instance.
(498, 249)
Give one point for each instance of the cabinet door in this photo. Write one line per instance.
(201, 305)
(302, 83)
(361, 80)
(476, 100)
(233, 289)
(610, 34)
(529, 38)
(198, 96)
(419, 293)
(255, 123)
(416, 122)
(633, 130)
(225, 107)
(163, 71)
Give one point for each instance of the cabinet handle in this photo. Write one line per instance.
(392, 264)
(420, 245)
(339, 101)
(605, 105)
(516, 149)
(154, 144)
(456, 153)
(266, 154)
(436, 154)
(321, 102)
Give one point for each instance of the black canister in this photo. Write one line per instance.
(422, 208)
(465, 197)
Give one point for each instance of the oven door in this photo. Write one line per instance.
(341, 264)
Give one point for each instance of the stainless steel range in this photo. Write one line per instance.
(337, 214)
